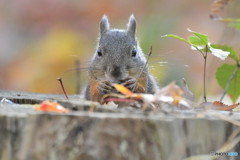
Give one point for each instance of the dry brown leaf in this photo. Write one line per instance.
(171, 90)
(169, 94)
(224, 107)
(186, 92)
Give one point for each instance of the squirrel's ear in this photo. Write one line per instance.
(132, 25)
(104, 25)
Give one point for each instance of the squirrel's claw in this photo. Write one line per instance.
(129, 83)
(104, 87)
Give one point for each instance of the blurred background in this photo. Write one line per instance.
(41, 40)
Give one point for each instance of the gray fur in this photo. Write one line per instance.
(132, 24)
(117, 62)
(104, 24)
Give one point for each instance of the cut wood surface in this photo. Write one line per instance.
(107, 133)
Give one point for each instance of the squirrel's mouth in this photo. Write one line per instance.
(115, 79)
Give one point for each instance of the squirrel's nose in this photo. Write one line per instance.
(116, 72)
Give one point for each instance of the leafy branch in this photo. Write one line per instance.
(228, 75)
(200, 43)
(230, 80)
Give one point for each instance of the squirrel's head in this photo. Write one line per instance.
(118, 54)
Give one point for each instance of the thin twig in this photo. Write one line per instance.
(231, 137)
(139, 75)
(200, 51)
(231, 141)
(226, 118)
(60, 80)
(78, 77)
(230, 80)
(204, 75)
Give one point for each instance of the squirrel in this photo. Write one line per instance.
(118, 59)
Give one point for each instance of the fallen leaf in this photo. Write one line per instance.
(123, 89)
(224, 107)
(237, 109)
(48, 106)
(186, 92)
(177, 100)
(169, 94)
(172, 90)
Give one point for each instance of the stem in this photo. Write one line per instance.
(204, 75)
(139, 75)
(78, 76)
(230, 80)
(60, 80)
(200, 51)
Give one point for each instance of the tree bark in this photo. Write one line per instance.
(105, 134)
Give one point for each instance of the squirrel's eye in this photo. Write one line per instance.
(99, 52)
(134, 52)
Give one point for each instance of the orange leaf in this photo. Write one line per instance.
(176, 100)
(123, 89)
(51, 107)
(224, 107)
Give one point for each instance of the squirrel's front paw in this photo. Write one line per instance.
(104, 87)
(129, 83)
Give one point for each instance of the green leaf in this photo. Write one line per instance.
(223, 75)
(203, 37)
(177, 37)
(228, 49)
(235, 25)
(229, 20)
(196, 41)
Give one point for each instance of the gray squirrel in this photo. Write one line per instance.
(118, 60)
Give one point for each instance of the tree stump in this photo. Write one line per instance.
(107, 133)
